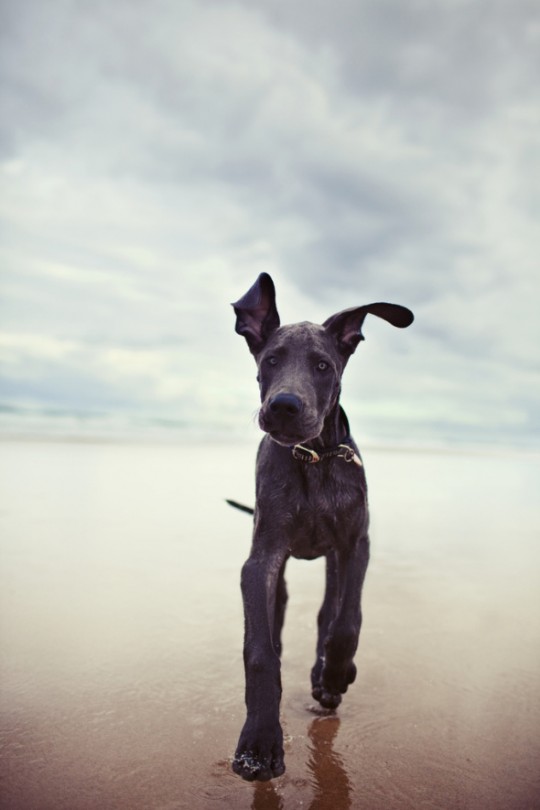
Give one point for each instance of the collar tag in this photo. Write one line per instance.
(349, 455)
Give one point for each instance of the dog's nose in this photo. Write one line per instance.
(285, 405)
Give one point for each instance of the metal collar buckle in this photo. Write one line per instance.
(301, 453)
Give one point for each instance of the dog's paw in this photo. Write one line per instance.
(328, 700)
(259, 756)
(333, 684)
(253, 767)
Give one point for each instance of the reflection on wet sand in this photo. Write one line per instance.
(266, 797)
(331, 785)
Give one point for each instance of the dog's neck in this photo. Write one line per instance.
(335, 430)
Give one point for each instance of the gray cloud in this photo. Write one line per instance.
(155, 159)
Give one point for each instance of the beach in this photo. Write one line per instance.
(121, 627)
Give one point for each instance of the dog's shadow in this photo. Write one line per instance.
(332, 788)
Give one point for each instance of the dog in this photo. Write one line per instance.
(311, 501)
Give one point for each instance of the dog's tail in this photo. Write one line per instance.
(241, 506)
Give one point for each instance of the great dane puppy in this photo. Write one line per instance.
(311, 501)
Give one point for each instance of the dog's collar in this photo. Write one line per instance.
(343, 450)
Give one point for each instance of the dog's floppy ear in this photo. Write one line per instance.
(347, 325)
(256, 313)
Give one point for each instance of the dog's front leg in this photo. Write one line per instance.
(259, 754)
(338, 634)
(327, 614)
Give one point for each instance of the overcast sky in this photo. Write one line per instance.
(157, 155)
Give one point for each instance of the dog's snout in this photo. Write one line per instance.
(284, 417)
(285, 405)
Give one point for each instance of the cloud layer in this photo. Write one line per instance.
(157, 156)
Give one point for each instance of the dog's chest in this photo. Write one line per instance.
(324, 512)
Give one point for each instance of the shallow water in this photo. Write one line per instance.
(121, 630)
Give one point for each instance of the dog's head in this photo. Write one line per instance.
(300, 365)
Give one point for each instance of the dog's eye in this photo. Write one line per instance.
(272, 360)
(322, 366)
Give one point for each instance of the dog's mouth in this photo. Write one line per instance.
(290, 439)
(289, 432)
(286, 440)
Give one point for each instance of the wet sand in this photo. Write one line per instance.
(121, 629)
